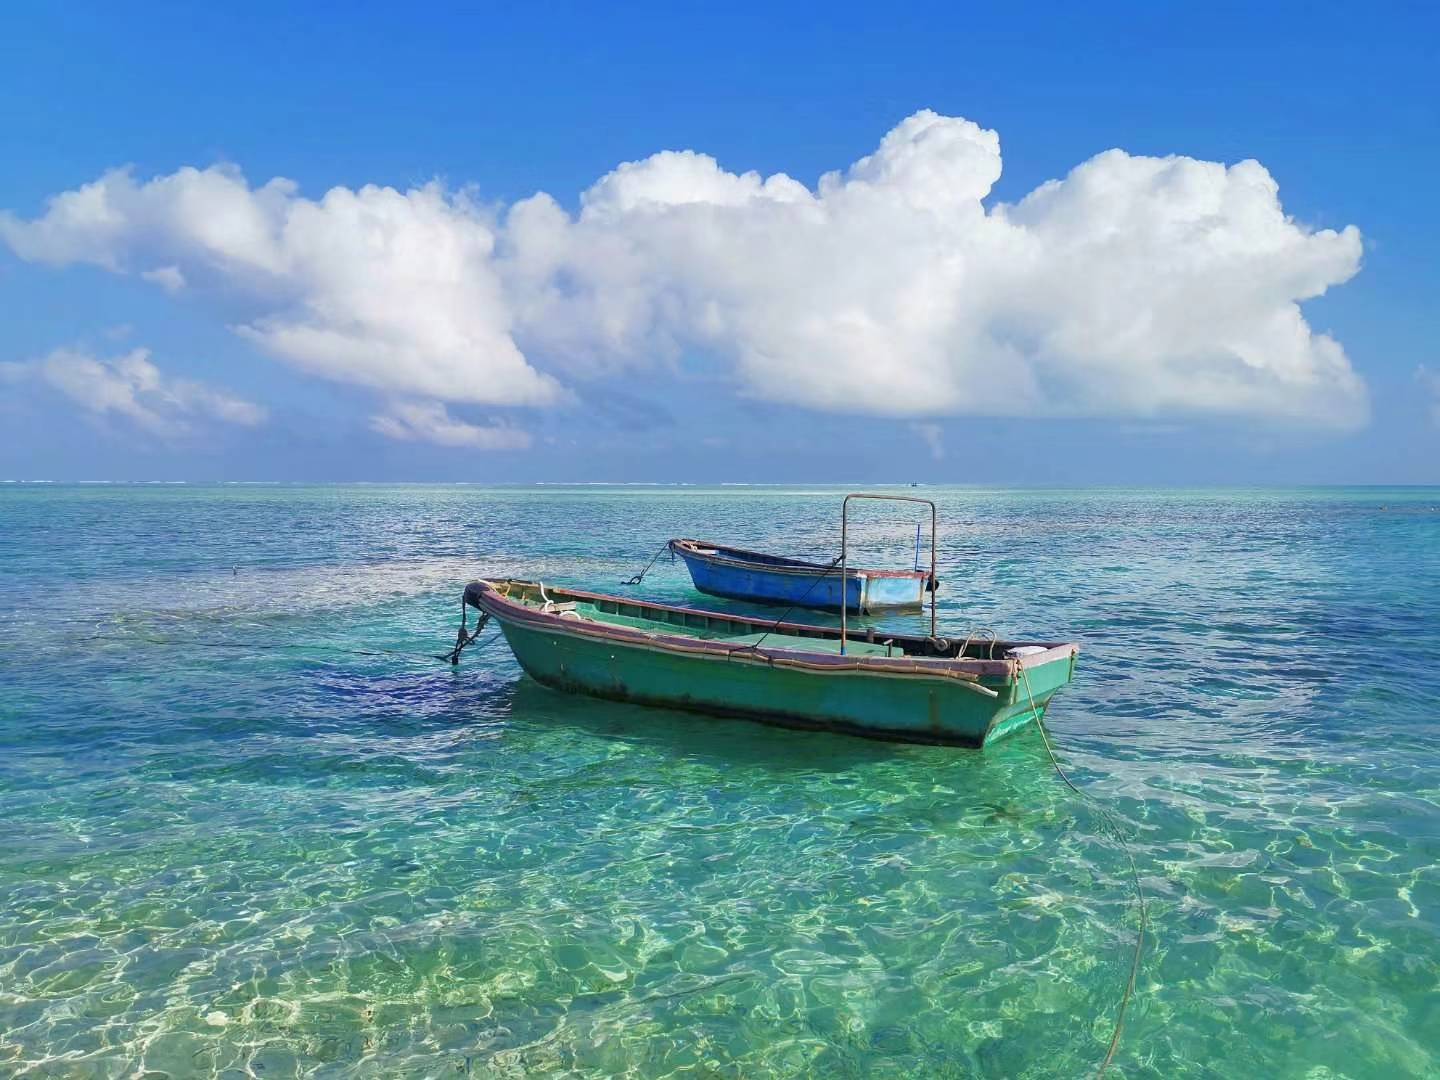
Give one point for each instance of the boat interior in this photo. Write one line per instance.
(740, 629)
(703, 547)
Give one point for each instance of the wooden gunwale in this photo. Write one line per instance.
(485, 596)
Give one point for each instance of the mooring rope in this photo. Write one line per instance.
(979, 635)
(462, 638)
(638, 578)
(1119, 834)
(308, 646)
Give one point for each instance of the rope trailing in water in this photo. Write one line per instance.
(304, 645)
(463, 637)
(1119, 834)
(638, 578)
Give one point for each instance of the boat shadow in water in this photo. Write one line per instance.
(715, 739)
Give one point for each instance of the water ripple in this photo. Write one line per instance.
(253, 829)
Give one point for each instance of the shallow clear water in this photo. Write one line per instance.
(250, 826)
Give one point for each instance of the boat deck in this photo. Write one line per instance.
(980, 653)
(589, 612)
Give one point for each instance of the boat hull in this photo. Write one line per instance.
(799, 584)
(853, 699)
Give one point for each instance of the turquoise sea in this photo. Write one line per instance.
(250, 827)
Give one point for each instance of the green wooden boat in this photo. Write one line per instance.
(898, 687)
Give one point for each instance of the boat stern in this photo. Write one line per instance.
(1037, 678)
(892, 591)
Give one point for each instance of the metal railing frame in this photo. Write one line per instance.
(844, 554)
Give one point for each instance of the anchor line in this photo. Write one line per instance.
(276, 646)
(1119, 834)
(463, 637)
(638, 578)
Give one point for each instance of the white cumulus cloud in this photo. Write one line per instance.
(430, 421)
(391, 290)
(131, 386)
(1132, 287)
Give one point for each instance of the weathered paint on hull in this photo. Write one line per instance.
(876, 705)
(809, 589)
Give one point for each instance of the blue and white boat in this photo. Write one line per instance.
(739, 574)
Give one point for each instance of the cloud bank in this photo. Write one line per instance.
(1132, 287)
(132, 387)
(432, 422)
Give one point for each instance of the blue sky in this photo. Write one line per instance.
(1142, 321)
